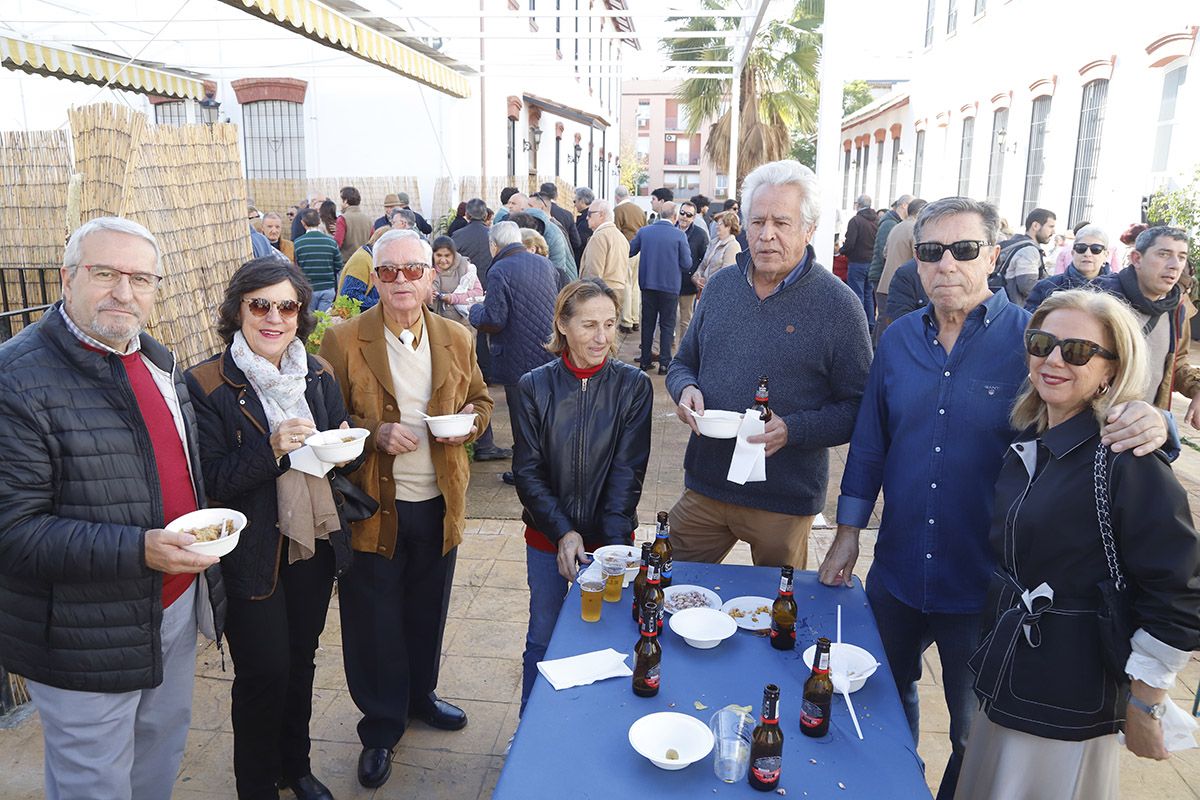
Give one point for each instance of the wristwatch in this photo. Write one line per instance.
(1155, 711)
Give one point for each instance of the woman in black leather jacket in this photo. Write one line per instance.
(255, 403)
(581, 431)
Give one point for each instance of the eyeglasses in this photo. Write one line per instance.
(1076, 352)
(965, 250)
(1082, 248)
(412, 271)
(291, 214)
(594, 212)
(261, 306)
(140, 282)
(686, 214)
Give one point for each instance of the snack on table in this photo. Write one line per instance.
(681, 600)
(210, 533)
(736, 613)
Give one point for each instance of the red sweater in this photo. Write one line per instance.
(174, 476)
(535, 538)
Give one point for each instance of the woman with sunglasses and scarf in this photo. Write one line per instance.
(1089, 260)
(256, 403)
(1075, 522)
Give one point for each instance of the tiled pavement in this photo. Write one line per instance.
(482, 664)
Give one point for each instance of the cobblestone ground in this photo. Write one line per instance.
(481, 663)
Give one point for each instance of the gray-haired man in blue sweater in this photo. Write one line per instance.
(781, 314)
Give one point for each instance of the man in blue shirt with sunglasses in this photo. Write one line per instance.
(931, 432)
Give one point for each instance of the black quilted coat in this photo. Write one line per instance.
(79, 608)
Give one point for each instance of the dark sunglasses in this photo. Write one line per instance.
(261, 306)
(1077, 352)
(1082, 248)
(389, 272)
(966, 250)
(686, 214)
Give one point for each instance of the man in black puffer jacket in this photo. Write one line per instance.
(99, 605)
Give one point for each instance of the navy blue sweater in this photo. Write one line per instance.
(810, 338)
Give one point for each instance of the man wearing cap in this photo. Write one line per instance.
(402, 201)
(390, 202)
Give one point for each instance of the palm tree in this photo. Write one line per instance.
(779, 84)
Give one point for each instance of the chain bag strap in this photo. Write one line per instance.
(1100, 474)
(1114, 614)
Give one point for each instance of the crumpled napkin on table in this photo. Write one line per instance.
(580, 670)
(749, 462)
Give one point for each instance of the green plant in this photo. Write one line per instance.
(443, 222)
(1180, 208)
(343, 308)
(633, 169)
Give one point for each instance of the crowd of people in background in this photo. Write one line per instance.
(1015, 415)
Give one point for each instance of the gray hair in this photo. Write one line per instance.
(601, 207)
(502, 234)
(862, 201)
(1095, 231)
(953, 206)
(407, 214)
(476, 208)
(585, 195)
(902, 200)
(667, 211)
(272, 215)
(1148, 237)
(620, 192)
(782, 173)
(73, 255)
(392, 237)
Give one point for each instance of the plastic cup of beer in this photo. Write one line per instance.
(591, 590)
(732, 730)
(613, 568)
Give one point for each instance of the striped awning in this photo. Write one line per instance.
(76, 66)
(326, 26)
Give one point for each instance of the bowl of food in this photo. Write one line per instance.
(703, 628)
(671, 740)
(450, 426)
(338, 446)
(682, 596)
(719, 424)
(632, 556)
(216, 529)
(856, 662)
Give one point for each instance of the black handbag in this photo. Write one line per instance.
(1115, 614)
(353, 503)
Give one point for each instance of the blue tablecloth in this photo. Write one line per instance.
(574, 743)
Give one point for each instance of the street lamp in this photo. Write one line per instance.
(210, 109)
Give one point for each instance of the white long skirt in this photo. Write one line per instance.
(1001, 764)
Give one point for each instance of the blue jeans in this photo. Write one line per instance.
(658, 308)
(907, 634)
(863, 290)
(322, 299)
(547, 589)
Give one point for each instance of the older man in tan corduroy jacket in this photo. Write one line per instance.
(607, 253)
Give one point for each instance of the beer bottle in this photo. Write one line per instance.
(647, 654)
(662, 546)
(639, 583)
(761, 402)
(818, 694)
(653, 592)
(766, 746)
(783, 614)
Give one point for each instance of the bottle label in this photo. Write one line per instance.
(811, 714)
(666, 570)
(789, 633)
(767, 769)
(652, 677)
(785, 586)
(823, 662)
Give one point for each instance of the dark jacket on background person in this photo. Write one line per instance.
(517, 312)
(580, 452)
(666, 257)
(471, 240)
(240, 470)
(697, 240)
(79, 608)
(585, 234)
(1046, 530)
(567, 220)
(1071, 279)
(859, 245)
(423, 225)
(890, 220)
(455, 224)
(906, 292)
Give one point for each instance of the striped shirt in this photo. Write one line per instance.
(318, 256)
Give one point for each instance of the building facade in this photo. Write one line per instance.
(1085, 111)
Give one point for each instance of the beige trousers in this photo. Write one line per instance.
(631, 308)
(687, 303)
(703, 529)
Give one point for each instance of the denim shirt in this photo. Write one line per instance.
(932, 432)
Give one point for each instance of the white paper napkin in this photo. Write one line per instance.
(1178, 728)
(749, 462)
(580, 670)
(305, 460)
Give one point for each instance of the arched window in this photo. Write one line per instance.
(172, 112)
(1168, 115)
(918, 162)
(274, 139)
(996, 157)
(964, 157)
(930, 8)
(1087, 149)
(1035, 163)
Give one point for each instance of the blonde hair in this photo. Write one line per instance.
(730, 218)
(535, 241)
(569, 300)
(1117, 319)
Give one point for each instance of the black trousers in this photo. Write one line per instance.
(658, 308)
(393, 616)
(273, 643)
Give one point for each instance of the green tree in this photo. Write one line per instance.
(1180, 208)
(855, 95)
(633, 169)
(778, 84)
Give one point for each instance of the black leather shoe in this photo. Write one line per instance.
(625, 329)
(309, 788)
(637, 327)
(374, 766)
(646, 367)
(662, 370)
(443, 715)
(508, 478)
(495, 454)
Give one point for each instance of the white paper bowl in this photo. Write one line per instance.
(448, 426)
(210, 516)
(629, 552)
(719, 424)
(329, 447)
(859, 663)
(703, 628)
(654, 734)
